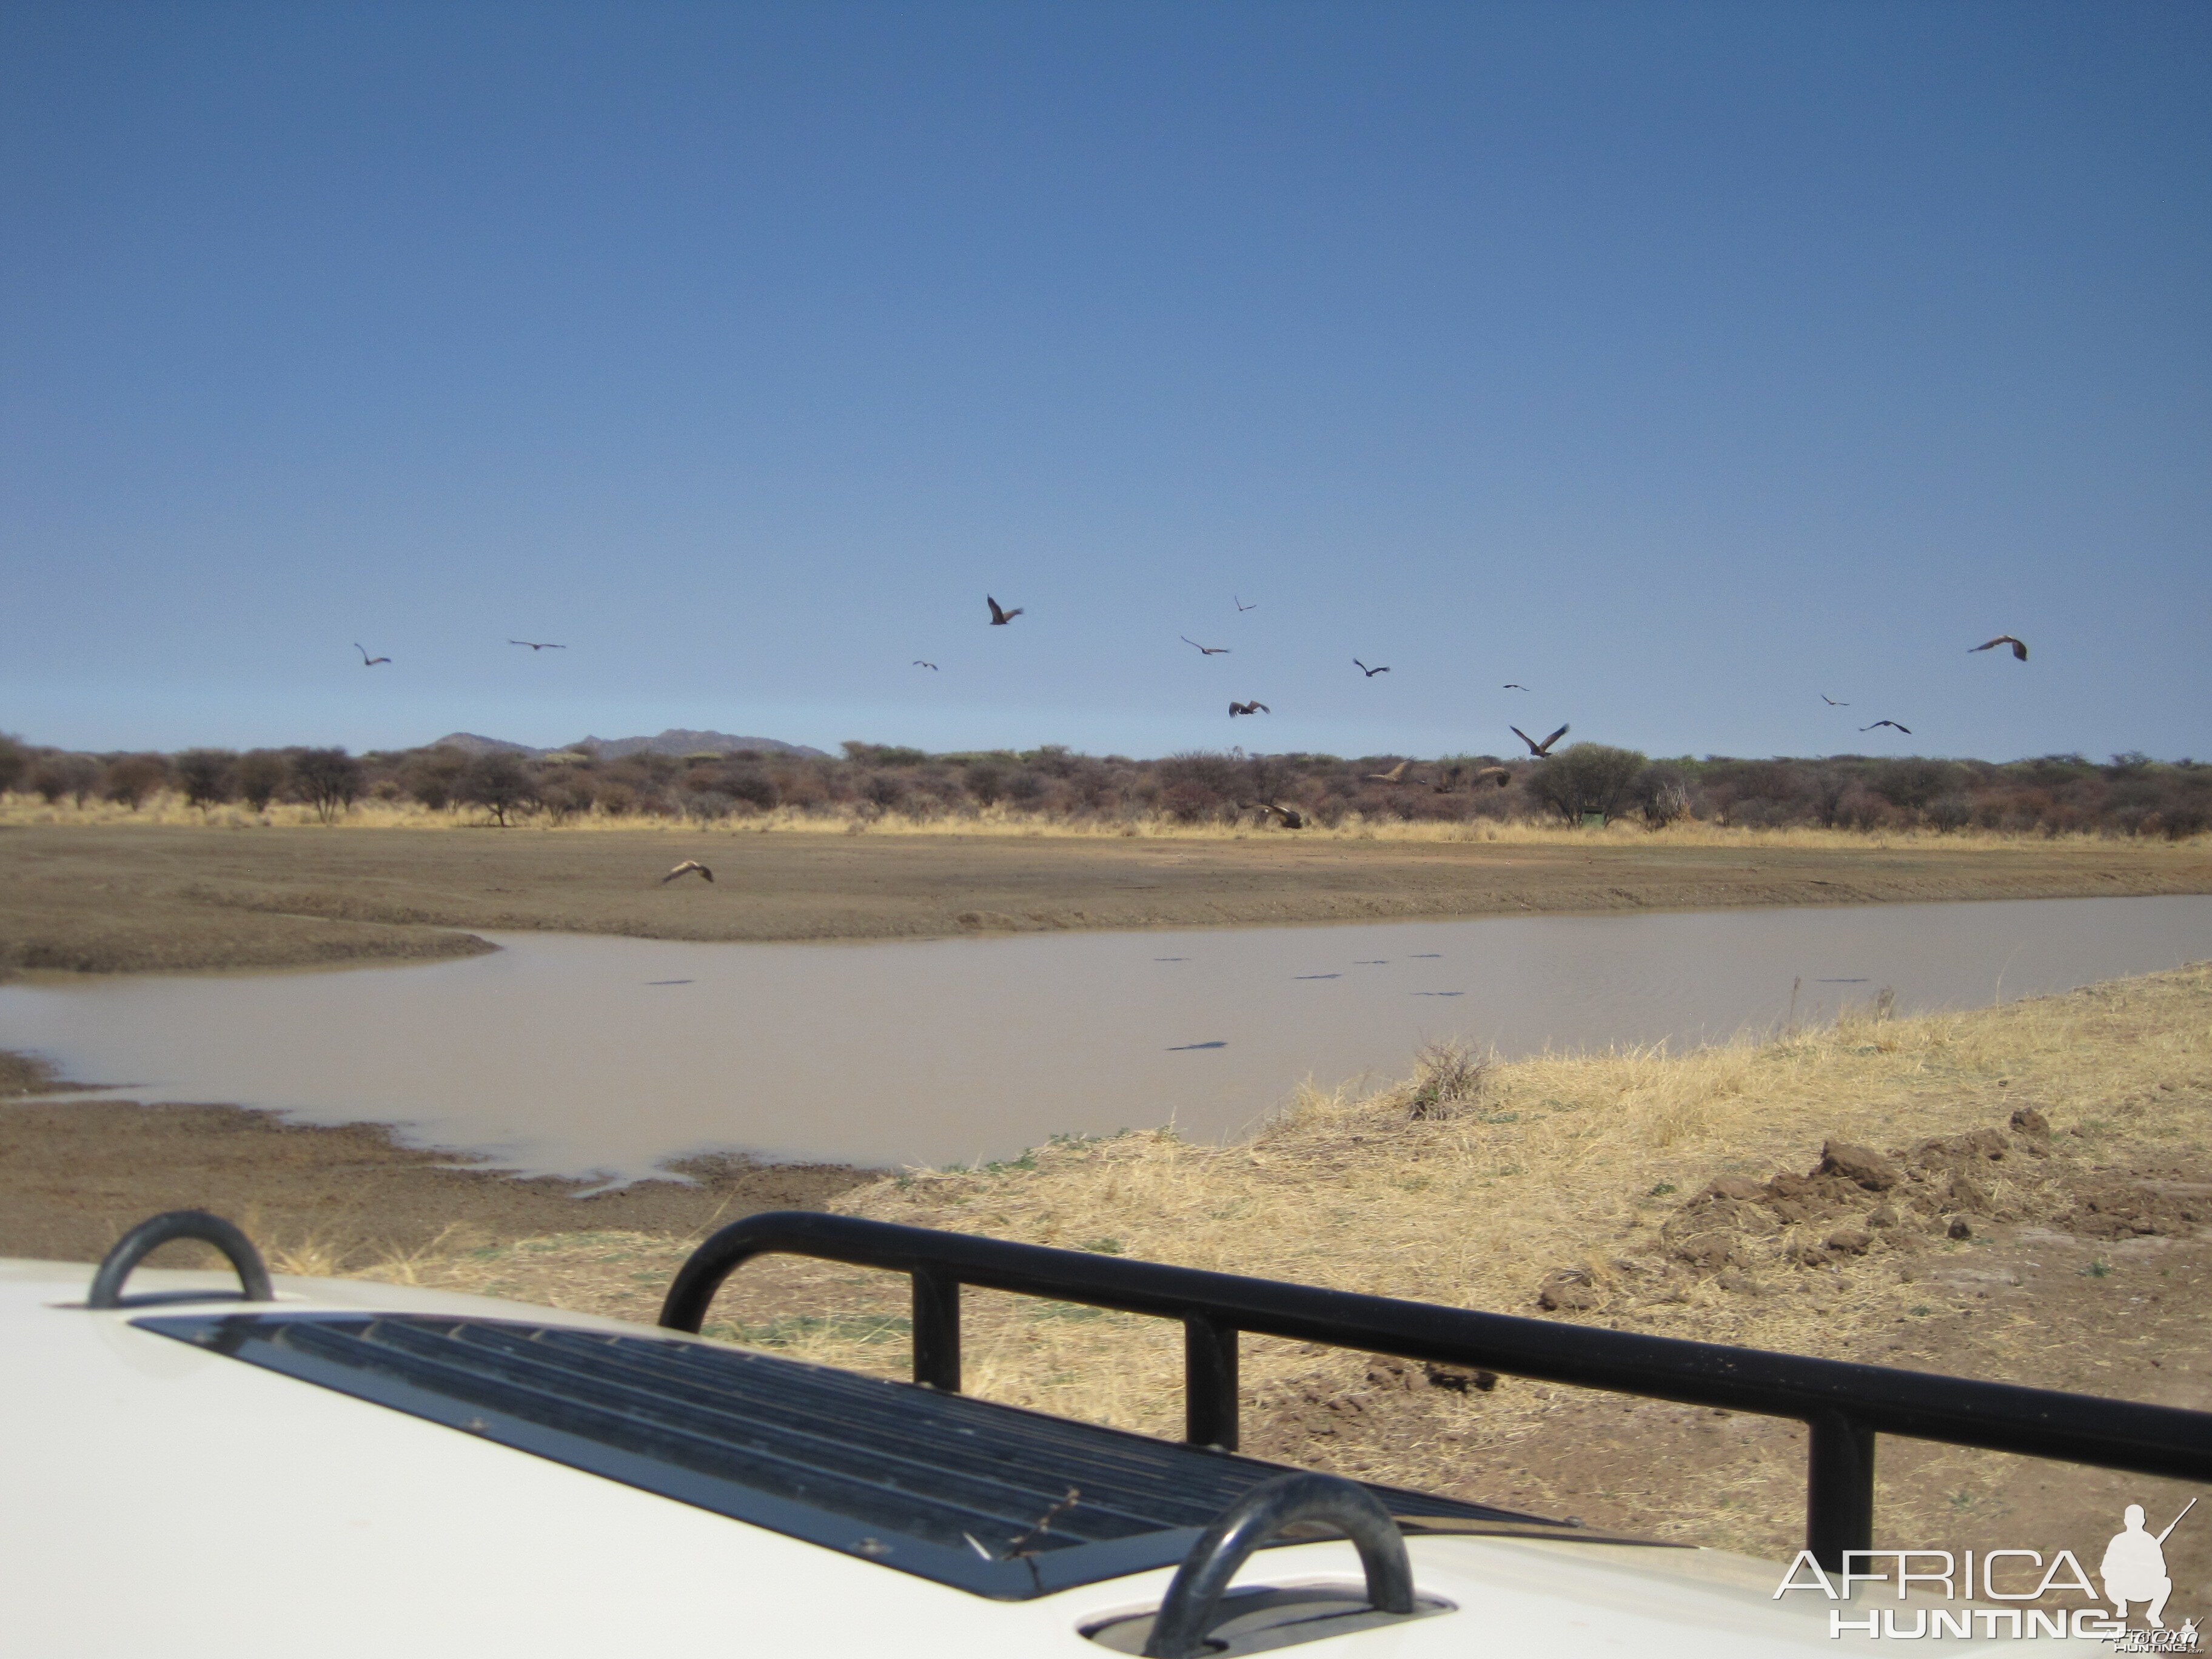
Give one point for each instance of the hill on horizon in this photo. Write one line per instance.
(675, 740)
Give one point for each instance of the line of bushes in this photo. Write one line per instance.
(2055, 795)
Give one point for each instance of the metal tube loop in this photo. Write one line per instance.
(1194, 1596)
(143, 1240)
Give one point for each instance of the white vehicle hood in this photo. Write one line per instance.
(162, 1499)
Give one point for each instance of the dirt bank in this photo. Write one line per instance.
(125, 898)
(76, 1175)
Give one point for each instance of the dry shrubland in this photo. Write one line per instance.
(167, 808)
(874, 787)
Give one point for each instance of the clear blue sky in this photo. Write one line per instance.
(1684, 361)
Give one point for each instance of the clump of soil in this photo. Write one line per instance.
(1739, 1234)
(1855, 1202)
(1316, 1409)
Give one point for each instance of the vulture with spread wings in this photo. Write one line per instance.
(1541, 751)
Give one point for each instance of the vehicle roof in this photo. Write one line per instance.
(166, 1499)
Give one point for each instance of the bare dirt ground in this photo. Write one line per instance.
(108, 898)
(76, 1175)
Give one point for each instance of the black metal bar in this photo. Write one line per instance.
(1209, 1381)
(1838, 1487)
(2115, 1434)
(936, 1330)
(148, 1236)
(1188, 1610)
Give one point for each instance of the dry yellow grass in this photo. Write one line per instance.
(1466, 1184)
(168, 808)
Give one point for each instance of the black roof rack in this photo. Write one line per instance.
(1845, 1405)
(845, 1459)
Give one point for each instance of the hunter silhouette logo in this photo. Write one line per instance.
(2133, 1567)
(2133, 1570)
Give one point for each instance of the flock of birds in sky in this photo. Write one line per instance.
(1002, 615)
(1290, 817)
(367, 661)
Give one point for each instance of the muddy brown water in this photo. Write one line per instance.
(584, 1056)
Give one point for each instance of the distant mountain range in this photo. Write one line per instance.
(674, 741)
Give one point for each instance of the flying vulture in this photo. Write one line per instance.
(1541, 751)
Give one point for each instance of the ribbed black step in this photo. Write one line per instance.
(948, 1487)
